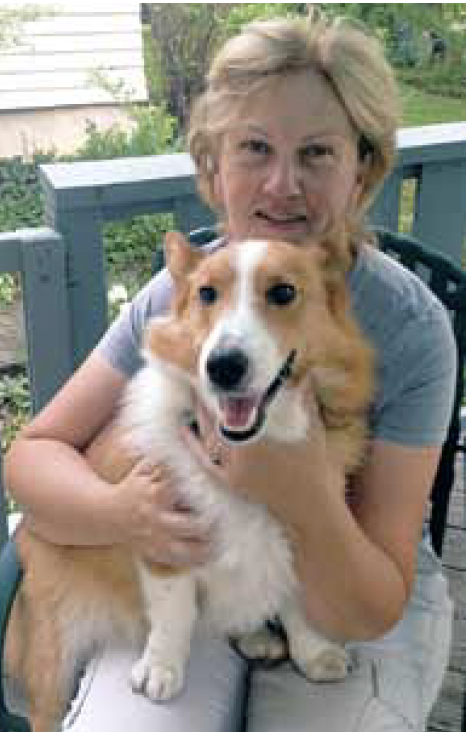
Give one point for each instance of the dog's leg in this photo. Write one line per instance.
(48, 682)
(318, 658)
(262, 644)
(171, 610)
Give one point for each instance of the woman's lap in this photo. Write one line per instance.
(392, 685)
(213, 698)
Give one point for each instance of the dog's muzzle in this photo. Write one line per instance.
(244, 414)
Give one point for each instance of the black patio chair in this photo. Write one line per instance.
(448, 282)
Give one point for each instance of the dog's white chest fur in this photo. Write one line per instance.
(251, 572)
(251, 578)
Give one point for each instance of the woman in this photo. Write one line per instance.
(292, 137)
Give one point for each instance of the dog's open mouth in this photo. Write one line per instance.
(244, 415)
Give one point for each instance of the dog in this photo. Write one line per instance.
(249, 324)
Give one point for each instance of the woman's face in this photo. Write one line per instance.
(288, 168)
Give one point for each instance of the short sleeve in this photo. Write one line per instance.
(121, 344)
(417, 407)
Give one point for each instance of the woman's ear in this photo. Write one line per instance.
(363, 175)
(218, 190)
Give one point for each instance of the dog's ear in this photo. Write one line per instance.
(181, 257)
(334, 281)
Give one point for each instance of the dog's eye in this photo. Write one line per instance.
(208, 294)
(281, 294)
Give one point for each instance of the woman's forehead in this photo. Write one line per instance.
(302, 102)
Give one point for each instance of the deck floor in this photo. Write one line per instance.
(447, 713)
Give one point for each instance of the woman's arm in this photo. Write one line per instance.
(66, 502)
(44, 469)
(355, 563)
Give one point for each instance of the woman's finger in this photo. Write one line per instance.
(187, 554)
(183, 526)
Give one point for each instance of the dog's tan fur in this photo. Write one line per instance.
(63, 585)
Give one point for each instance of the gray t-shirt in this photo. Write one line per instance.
(408, 327)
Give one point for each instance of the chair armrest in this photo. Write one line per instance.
(11, 573)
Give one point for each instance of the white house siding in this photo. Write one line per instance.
(47, 90)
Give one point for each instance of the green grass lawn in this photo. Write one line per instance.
(420, 108)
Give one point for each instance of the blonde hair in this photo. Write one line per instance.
(352, 62)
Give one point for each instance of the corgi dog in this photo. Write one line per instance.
(249, 324)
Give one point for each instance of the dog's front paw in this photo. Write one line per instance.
(329, 663)
(158, 679)
(262, 644)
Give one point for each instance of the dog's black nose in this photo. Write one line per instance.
(227, 367)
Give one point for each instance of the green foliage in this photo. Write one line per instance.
(14, 390)
(152, 64)
(242, 13)
(404, 29)
(15, 406)
(8, 288)
(130, 246)
(421, 108)
(151, 133)
(19, 193)
(443, 79)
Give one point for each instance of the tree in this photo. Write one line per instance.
(186, 35)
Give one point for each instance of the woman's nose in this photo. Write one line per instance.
(283, 178)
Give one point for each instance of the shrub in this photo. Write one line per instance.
(152, 133)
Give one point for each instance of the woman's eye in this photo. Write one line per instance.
(256, 147)
(281, 294)
(316, 152)
(208, 294)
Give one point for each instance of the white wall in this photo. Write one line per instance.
(52, 64)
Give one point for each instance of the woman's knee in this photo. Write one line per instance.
(377, 695)
(212, 699)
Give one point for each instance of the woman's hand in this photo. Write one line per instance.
(152, 519)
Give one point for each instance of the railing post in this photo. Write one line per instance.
(386, 207)
(80, 197)
(191, 213)
(435, 155)
(45, 312)
(440, 207)
(3, 516)
(81, 229)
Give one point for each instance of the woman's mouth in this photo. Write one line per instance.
(283, 222)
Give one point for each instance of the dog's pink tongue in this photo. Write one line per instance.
(238, 411)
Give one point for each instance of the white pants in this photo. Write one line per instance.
(392, 687)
